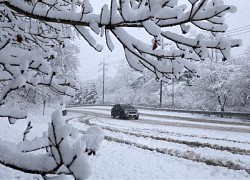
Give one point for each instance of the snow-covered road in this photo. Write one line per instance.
(153, 147)
(180, 147)
(175, 119)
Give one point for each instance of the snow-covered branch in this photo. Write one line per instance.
(152, 16)
(27, 47)
(64, 149)
(161, 13)
(12, 113)
(12, 157)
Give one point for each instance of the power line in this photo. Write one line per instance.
(237, 31)
(113, 62)
(96, 68)
(239, 28)
(90, 71)
(237, 34)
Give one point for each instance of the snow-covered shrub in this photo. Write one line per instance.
(64, 150)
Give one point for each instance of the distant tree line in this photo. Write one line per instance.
(221, 86)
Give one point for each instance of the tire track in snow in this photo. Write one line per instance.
(232, 150)
(197, 126)
(175, 153)
(196, 136)
(179, 134)
(189, 156)
(176, 124)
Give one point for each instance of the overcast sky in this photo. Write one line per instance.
(238, 28)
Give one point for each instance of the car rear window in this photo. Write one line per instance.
(126, 106)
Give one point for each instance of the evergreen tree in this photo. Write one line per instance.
(92, 95)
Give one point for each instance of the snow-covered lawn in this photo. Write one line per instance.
(120, 161)
(151, 151)
(136, 150)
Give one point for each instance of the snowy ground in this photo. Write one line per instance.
(152, 147)
(14, 133)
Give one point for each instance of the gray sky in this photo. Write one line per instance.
(238, 28)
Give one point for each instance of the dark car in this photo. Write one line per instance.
(124, 111)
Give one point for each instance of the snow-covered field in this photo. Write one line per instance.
(152, 147)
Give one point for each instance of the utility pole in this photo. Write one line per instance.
(172, 92)
(103, 68)
(160, 93)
